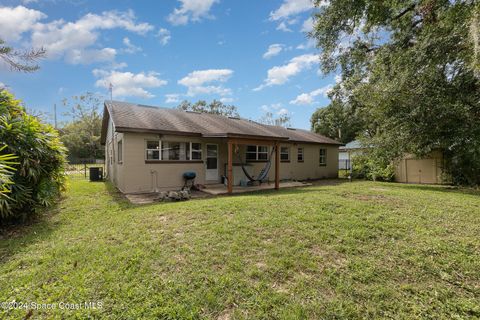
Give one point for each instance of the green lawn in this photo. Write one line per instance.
(334, 251)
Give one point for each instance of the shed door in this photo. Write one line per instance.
(212, 163)
(421, 171)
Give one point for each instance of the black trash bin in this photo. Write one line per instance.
(96, 173)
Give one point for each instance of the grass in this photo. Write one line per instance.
(334, 251)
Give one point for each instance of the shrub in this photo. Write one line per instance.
(374, 162)
(371, 167)
(6, 171)
(39, 174)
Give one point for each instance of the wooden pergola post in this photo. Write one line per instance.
(277, 166)
(229, 168)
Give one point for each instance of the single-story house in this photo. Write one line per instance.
(408, 169)
(150, 148)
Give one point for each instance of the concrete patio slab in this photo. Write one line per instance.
(220, 189)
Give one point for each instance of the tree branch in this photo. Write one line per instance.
(404, 12)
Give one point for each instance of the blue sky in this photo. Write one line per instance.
(253, 54)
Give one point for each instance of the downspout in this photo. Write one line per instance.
(154, 187)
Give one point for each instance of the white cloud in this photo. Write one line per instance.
(307, 45)
(88, 56)
(280, 74)
(290, 8)
(16, 21)
(191, 10)
(130, 47)
(274, 107)
(307, 25)
(75, 41)
(273, 50)
(164, 36)
(283, 27)
(200, 81)
(172, 98)
(60, 38)
(118, 66)
(309, 98)
(226, 99)
(127, 84)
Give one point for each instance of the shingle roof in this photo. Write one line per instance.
(130, 117)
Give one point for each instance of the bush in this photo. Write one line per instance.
(368, 166)
(374, 162)
(6, 171)
(39, 175)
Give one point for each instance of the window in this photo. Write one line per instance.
(284, 153)
(300, 155)
(120, 151)
(194, 151)
(323, 157)
(256, 153)
(262, 153)
(172, 150)
(251, 153)
(153, 150)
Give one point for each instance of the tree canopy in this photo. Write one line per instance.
(214, 107)
(337, 121)
(411, 70)
(81, 136)
(282, 120)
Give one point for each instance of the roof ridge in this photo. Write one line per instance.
(146, 118)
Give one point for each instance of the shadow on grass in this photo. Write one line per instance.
(436, 188)
(118, 197)
(16, 236)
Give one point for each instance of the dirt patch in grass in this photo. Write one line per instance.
(333, 250)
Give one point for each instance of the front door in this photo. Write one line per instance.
(212, 162)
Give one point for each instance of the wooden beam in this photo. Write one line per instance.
(229, 168)
(252, 142)
(277, 166)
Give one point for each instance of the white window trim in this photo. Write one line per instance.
(287, 153)
(256, 152)
(324, 157)
(301, 153)
(191, 151)
(160, 151)
(120, 154)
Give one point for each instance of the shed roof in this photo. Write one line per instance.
(131, 117)
(352, 145)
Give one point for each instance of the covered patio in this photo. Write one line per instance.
(233, 142)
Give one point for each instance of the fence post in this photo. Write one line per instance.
(85, 169)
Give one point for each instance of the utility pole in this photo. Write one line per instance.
(110, 88)
(55, 114)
